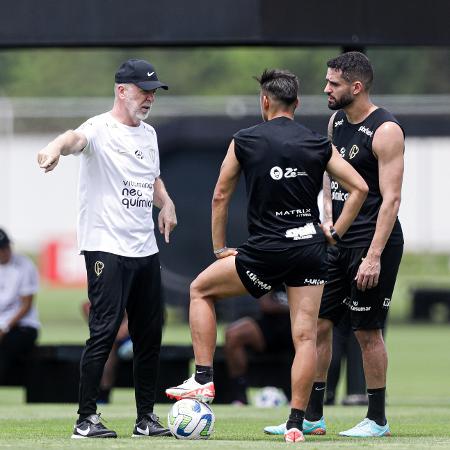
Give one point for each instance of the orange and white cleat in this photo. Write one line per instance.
(192, 389)
(293, 435)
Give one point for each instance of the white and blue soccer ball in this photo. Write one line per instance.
(270, 397)
(191, 419)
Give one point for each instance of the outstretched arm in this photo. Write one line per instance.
(67, 143)
(225, 186)
(388, 146)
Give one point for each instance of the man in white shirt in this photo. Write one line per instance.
(119, 182)
(19, 323)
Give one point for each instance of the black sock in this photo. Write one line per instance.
(377, 404)
(238, 387)
(295, 419)
(203, 374)
(314, 411)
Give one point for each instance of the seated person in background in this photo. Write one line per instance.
(109, 372)
(19, 323)
(271, 332)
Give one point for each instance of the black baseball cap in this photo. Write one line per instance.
(141, 73)
(4, 239)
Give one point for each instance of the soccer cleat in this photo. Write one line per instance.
(293, 435)
(91, 427)
(367, 428)
(317, 427)
(191, 389)
(149, 426)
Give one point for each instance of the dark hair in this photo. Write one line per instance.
(355, 66)
(280, 84)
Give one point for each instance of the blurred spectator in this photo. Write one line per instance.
(271, 333)
(109, 372)
(19, 323)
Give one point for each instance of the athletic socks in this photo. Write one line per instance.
(314, 411)
(203, 374)
(376, 411)
(295, 419)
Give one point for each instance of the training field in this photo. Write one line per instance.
(418, 409)
(416, 423)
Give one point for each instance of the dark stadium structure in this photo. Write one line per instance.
(346, 23)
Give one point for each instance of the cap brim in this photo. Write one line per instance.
(150, 85)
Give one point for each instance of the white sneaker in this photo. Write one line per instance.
(367, 428)
(191, 389)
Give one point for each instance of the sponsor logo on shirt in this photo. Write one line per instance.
(139, 154)
(295, 212)
(365, 130)
(257, 282)
(338, 123)
(277, 173)
(305, 232)
(386, 302)
(342, 151)
(133, 194)
(336, 193)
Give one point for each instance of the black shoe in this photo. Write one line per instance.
(91, 427)
(149, 426)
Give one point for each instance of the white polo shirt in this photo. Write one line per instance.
(118, 168)
(18, 278)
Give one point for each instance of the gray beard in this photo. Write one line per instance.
(142, 116)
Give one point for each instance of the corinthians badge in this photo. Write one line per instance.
(98, 267)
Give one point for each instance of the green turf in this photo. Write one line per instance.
(418, 398)
(414, 424)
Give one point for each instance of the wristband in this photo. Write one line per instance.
(335, 235)
(220, 250)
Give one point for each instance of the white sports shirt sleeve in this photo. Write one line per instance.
(118, 169)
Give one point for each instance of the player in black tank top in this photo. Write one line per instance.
(363, 267)
(354, 142)
(283, 163)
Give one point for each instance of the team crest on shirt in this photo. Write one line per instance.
(353, 151)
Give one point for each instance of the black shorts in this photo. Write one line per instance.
(261, 270)
(369, 308)
(276, 329)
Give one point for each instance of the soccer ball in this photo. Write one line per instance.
(191, 419)
(270, 397)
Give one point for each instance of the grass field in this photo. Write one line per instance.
(418, 387)
(418, 409)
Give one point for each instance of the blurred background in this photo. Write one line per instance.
(44, 91)
(212, 95)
